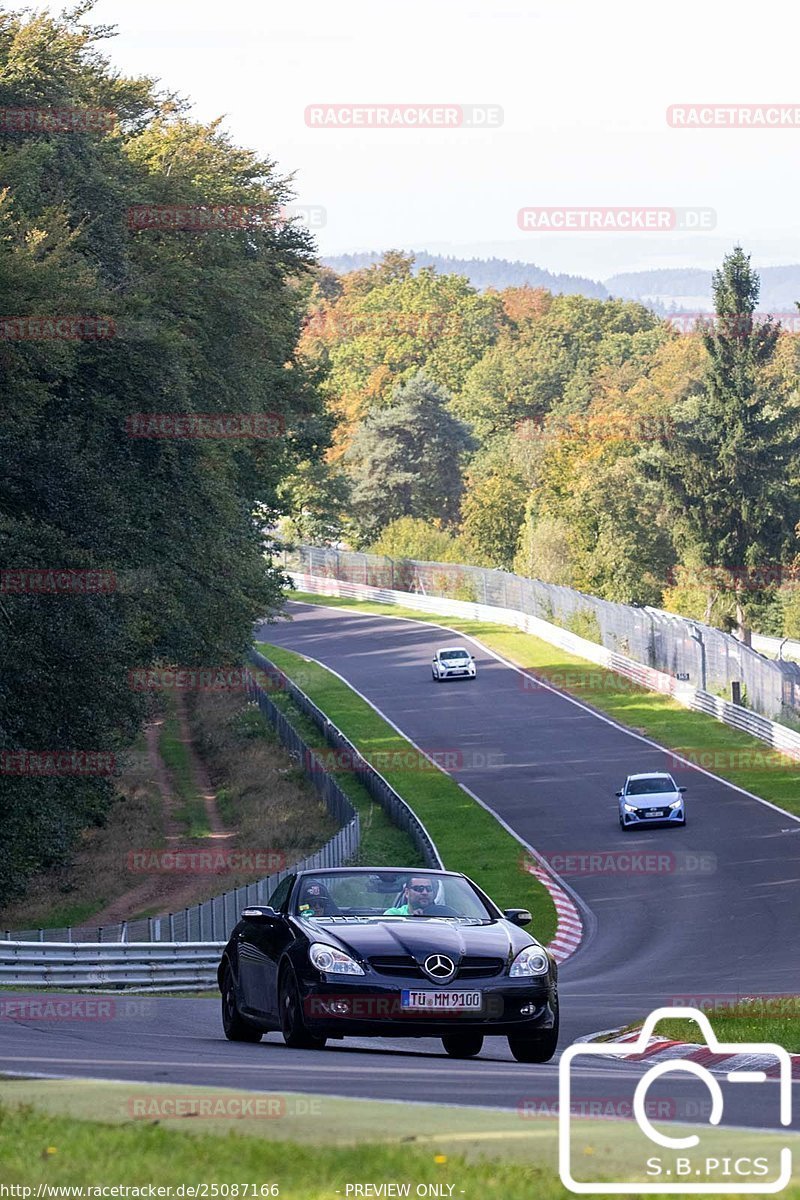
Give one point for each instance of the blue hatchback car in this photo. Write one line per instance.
(651, 799)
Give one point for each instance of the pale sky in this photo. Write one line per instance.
(584, 87)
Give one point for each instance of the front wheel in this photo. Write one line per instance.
(233, 1023)
(293, 1027)
(537, 1049)
(463, 1045)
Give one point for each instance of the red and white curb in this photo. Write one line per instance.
(663, 1049)
(569, 930)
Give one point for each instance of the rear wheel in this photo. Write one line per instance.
(293, 1027)
(463, 1045)
(235, 1027)
(537, 1049)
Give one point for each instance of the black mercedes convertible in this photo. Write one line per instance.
(388, 952)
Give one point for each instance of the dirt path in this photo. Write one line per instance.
(161, 892)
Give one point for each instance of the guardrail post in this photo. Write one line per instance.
(172, 927)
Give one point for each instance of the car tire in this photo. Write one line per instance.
(293, 1028)
(434, 677)
(236, 1028)
(538, 1049)
(463, 1045)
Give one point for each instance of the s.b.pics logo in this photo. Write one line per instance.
(651, 1156)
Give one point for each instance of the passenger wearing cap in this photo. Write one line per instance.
(315, 900)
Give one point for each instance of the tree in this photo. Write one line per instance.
(205, 322)
(409, 537)
(406, 460)
(493, 513)
(728, 471)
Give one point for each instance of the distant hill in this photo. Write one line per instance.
(666, 290)
(483, 272)
(671, 289)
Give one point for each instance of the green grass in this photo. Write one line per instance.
(192, 810)
(730, 754)
(382, 842)
(79, 1132)
(750, 1019)
(468, 838)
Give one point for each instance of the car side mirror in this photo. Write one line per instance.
(617, 793)
(472, 657)
(260, 912)
(518, 916)
(682, 789)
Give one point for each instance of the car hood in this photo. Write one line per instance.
(421, 936)
(653, 799)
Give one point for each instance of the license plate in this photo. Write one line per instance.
(655, 812)
(441, 1001)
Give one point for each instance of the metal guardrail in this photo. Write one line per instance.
(214, 919)
(399, 813)
(776, 735)
(144, 966)
(708, 658)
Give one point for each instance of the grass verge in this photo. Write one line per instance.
(749, 1019)
(319, 1147)
(468, 838)
(708, 743)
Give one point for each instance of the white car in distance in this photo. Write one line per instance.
(453, 662)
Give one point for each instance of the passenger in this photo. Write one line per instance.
(315, 900)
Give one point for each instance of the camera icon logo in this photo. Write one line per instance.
(687, 1167)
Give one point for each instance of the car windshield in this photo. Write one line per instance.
(451, 655)
(368, 895)
(649, 787)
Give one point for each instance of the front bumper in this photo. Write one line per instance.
(467, 673)
(372, 1008)
(670, 816)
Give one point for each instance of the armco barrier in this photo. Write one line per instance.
(144, 966)
(781, 737)
(215, 918)
(383, 793)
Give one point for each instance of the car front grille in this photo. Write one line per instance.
(472, 966)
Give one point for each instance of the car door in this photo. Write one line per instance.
(261, 945)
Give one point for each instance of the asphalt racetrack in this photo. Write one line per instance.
(719, 914)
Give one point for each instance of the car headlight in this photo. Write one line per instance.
(629, 807)
(530, 961)
(333, 961)
(676, 803)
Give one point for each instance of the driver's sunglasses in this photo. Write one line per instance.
(419, 887)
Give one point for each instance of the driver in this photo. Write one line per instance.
(418, 896)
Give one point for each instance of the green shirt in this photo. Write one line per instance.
(402, 910)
